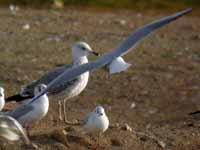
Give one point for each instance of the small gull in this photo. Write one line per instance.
(68, 89)
(2, 98)
(96, 122)
(13, 9)
(11, 129)
(28, 113)
(107, 58)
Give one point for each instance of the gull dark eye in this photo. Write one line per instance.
(83, 48)
(40, 89)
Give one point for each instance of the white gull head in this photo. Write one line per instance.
(81, 49)
(39, 88)
(99, 110)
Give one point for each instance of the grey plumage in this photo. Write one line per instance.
(47, 78)
(87, 117)
(20, 111)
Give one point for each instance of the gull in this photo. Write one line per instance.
(11, 129)
(2, 98)
(96, 122)
(109, 57)
(68, 89)
(28, 113)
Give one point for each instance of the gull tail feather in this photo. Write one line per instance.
(118, 65)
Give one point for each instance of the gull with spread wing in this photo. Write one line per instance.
(108, 58)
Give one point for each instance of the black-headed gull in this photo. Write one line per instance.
(29, 113)
(96, 122)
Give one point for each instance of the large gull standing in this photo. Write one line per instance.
(66, 90)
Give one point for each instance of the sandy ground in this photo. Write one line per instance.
(163, 82)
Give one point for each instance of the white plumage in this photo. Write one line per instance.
(2, 98)
(31, 112)
(96, 122)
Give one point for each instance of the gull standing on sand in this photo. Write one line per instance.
(2, 98)
(28, 113)
(109, 57)
(96, 122)
(68, 89)
(11, 129)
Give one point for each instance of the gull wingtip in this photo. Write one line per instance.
(187, 10)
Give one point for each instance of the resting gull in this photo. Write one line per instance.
(96, 122)
(29, 113)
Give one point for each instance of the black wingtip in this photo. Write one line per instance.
(188, 10)
(17, 98)
(194, 113)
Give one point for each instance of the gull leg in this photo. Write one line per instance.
(65, 112)
(27, 127)
(98, 141)
(29, 144)
(60, 110)
(66, 115)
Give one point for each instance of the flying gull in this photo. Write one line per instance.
(107, 58)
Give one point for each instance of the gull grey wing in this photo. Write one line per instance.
(61, 86)
(45, 79)
(20, 111)
(121, 50)
(145, 30)
(87, 117)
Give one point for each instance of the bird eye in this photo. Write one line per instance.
(40, 89)
(83, 48)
